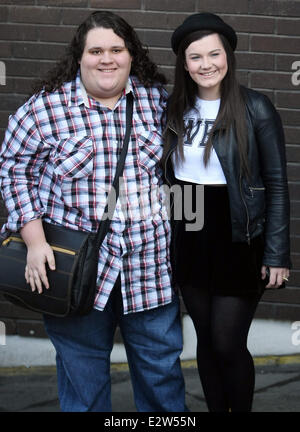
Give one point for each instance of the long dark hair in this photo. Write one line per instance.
(232, 113)
(66, 69)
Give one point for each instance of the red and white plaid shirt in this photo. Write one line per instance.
(58, 162)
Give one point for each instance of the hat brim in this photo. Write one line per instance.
(203, 22)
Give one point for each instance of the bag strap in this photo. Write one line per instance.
(112, 198)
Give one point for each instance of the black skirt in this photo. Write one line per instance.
(208, 258)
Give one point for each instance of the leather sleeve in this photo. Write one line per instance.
(271, 146)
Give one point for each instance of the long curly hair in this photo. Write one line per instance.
(66, 68)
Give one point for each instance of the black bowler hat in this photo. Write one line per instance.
(203, 21)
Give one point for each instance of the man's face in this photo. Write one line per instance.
(105, 65)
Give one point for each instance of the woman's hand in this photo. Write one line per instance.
(39, 253)
(278, 275)
(35, 272)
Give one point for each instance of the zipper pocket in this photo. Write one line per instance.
(252, 188)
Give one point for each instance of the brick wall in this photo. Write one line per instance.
(34, 33)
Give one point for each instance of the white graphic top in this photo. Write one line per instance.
(199, 121)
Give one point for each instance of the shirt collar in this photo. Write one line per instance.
(79, 95)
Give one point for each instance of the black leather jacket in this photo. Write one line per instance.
(261, 204)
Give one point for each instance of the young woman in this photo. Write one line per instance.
(230, 140)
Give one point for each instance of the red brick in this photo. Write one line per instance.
(294, 279)
(293, 173)
(5, 49)
(295, 244)
(288, 295)
(243, 42)
(74, 16)
(255, 61)
(115, 4)
(65, 3)
(55, 34)
(243, 78)
(2, 133)
(223, 6)
(293, 154)
(271, 80)
(155, 38)
(289, 117)
(18, 85)
(2, 211)
(163, 56)
(145, 20)
(275, 44)
(13, 2)
(171, 5)
(23, 85)
(288, 26)
(4, 119)
(35, 14)
(288, 100)
(292, 135)
(295, 193)
(11, 102)
(17, 32)
(295, 210)
(277, 311)
(275, 7)
(27, 68)
(38, 51)
(251, 24)
(295, 226)
(3, 13)
(285, 62)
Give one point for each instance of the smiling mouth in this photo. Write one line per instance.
(208, 74)
(106, 70)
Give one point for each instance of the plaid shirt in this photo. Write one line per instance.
(58, 161)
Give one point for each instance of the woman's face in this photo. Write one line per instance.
(206, 62)
(105, 65)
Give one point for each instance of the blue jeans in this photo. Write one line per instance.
(153, 342)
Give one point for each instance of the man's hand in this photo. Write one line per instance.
(35, 272)
(38, 256)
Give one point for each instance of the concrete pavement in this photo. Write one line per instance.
(28, 374)
(34, 389)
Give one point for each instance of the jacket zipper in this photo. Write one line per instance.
(248, 219)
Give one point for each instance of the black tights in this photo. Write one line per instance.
(225, 365)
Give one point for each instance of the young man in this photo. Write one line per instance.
(57, 163)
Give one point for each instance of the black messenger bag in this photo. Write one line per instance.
(73, 282)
